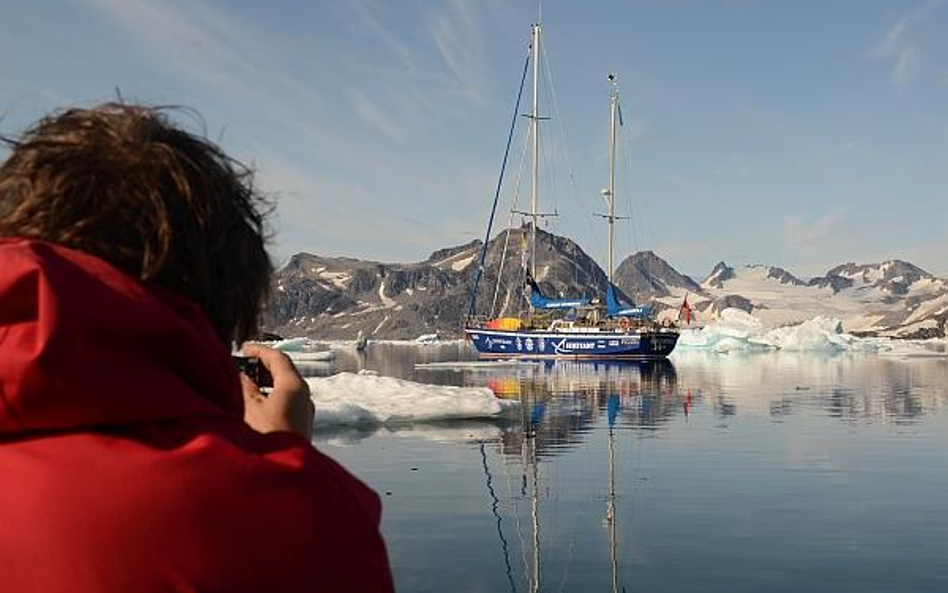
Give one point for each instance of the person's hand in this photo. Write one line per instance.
(288, 406)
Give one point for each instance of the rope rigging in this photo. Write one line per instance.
(500, 181)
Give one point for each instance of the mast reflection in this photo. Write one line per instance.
(562, 400)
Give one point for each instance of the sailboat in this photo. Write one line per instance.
(575, 328)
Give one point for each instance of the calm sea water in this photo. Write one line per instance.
(767, 472)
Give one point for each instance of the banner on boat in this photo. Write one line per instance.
(538, 301)
(615, 309)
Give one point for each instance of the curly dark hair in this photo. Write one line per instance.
(123, 183)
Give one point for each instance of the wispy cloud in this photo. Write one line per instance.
(368, 18)
(375, 117)
(850, 144)
(902, 42)
(459, 38)
(432, 56)
(214, 51)
(803, 232)
(194, 38)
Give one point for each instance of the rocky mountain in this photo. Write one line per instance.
(894, 276)
(337, 297)
(784, 277)
(720, 273)
(893, 298)
(646, 276)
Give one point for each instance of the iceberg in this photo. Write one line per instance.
(816, 334)
(738, 330)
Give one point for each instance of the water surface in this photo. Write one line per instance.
(766, 472)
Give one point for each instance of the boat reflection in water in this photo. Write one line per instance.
(562, 404)
(562, 400)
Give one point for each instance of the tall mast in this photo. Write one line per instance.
(611, 191)
(535, 123)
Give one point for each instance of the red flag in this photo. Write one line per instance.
(685, 311)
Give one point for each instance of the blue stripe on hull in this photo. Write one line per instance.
(547, 344)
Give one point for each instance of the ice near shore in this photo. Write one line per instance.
(737, 330)
(368, 399)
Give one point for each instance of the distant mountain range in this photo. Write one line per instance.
(336, 297)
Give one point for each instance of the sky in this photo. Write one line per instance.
(801, 134)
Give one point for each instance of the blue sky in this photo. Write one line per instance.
(802, 134)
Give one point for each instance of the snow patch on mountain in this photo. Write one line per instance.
(338, 279)
(894, 298)
(386, 302)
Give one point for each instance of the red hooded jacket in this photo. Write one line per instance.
(125, 464)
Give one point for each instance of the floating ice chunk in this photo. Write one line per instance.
(740, 320)
(464, 431)
(912, 348)
(736, 330)
(819, 333)
(350, 398)
(303, 350)
(740, 331)
(293, 344)
(317, 356)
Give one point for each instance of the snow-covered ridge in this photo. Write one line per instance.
(893, 298)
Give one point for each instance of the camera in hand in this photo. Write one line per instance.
(253, 368)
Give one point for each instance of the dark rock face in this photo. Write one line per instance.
(719, 274)
(729, 301)
(337, 297)
(784, 277)
(837, 283)
(644, 276)
(893, 276)
(452, 252)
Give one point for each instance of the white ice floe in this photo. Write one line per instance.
(741, 331)
(736, 330)
(318, 356)
(470, 431)
(477, 364)
(353, 399)
(911, 348)
(427, 341)
(303, 350)
(293, 344)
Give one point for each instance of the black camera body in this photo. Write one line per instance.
(253, 368)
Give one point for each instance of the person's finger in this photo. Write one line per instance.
(249, 388)
(288, 405)
(285, 376)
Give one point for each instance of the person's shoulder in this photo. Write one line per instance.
(284, 458)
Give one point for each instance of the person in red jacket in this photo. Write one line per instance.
(133, 456)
